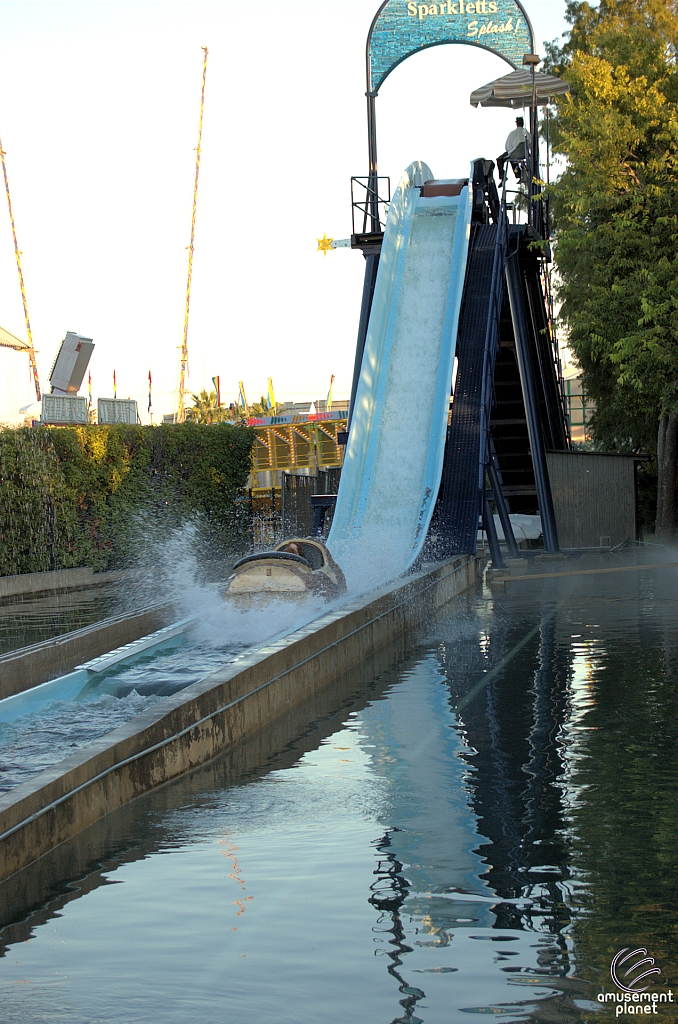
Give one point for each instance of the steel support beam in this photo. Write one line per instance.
(492, 538)
(519, 317)
(371, 267)
(500, 502)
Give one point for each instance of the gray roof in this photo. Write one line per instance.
(515, 90)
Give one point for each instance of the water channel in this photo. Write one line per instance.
(31, 619)
(478, 830)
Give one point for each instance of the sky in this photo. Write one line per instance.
(98, 119)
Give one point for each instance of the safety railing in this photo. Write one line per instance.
(488, 468)
(368, 204)
(492, 330)
(555, 351)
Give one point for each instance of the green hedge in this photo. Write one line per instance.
(94, 495)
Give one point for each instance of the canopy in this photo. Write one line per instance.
(8, 340)
(515, 90)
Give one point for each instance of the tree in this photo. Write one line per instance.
(236, 414)
(205, 409)
(262, 408)
(616, 212)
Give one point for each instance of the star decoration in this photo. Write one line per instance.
(324, 244)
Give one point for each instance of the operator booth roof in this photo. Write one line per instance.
(515, 90)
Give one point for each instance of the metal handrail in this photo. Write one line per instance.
(492, 332)
(369, 207)
(487, 466)
(555, 352)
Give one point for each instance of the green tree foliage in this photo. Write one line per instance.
(33, 498)
(205, 409)
(91, 495)
(616, 207)
(262, 408)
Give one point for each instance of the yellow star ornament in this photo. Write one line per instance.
(324, 244)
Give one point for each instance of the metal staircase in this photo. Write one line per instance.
(508, 407)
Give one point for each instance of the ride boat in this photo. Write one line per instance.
(294, 570)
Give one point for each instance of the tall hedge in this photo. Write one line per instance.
(91, 495)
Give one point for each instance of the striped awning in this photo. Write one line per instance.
(515, 90)
(8, 340)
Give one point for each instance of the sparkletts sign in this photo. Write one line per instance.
(402, 28)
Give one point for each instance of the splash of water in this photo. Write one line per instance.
(179, 569)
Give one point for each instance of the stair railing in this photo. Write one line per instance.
(491, 348)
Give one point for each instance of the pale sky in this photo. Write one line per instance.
(98, 118)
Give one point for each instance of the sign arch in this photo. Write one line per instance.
(401, 28)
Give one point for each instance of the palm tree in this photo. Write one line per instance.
(205, 409)
(261, 408)
(235, 414)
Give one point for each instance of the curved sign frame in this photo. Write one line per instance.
(402, 28)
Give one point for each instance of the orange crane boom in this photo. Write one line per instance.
(17, 252)
(181, 410)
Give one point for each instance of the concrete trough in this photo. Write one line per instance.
(80, 864)
(227, 708)
(30, 666)
(58, 581)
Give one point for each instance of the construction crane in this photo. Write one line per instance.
(8, 340)
(183, 368)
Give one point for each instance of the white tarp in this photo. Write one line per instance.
(524, 527)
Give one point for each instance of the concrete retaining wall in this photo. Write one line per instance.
(34, 895)
(224, 709)
(59, 581)
(30, 666)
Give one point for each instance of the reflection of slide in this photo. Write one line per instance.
(395, 450)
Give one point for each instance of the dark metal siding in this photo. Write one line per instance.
(594, 496)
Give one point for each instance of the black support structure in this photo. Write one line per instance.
(526, 349)
(507, 406)
(371, 268)
(461, 494)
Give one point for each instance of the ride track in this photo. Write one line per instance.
(387, 492)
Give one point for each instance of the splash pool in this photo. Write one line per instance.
(446, 846)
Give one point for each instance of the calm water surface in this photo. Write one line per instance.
(466, 840)
(40, 618)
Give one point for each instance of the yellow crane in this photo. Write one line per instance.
(181, 408)
(8, 340)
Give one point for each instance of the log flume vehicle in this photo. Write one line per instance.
(294, 570)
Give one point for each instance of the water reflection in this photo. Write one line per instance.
(488, 826)
(573, 756)
(29, 619)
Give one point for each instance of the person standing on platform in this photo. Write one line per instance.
(517, 148)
